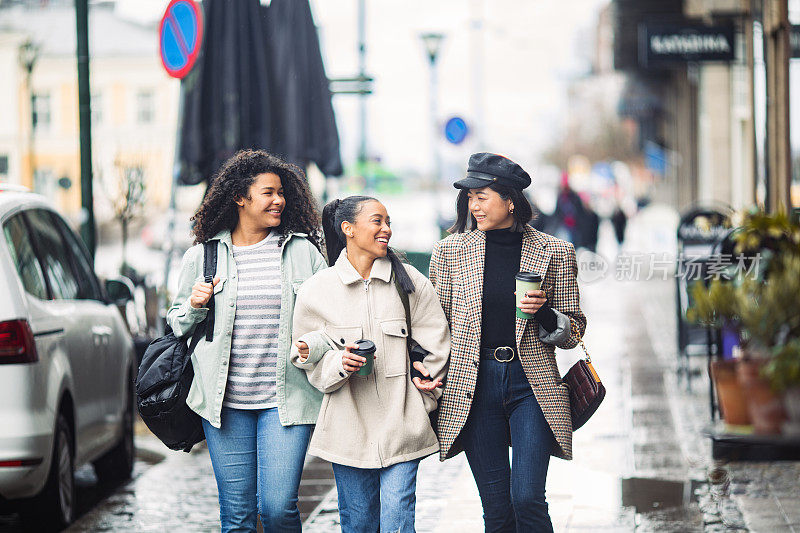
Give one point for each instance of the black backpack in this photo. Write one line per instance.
(166, 374)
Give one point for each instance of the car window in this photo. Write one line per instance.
(52, 252)
(24, 257)
(88, 286)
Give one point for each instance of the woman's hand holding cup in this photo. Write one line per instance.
(350, 361)
(532, 301)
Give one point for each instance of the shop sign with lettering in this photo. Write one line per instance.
(661, 45)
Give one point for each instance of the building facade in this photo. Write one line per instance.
(707, 103)
(134, 106)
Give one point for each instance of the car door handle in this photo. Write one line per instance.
(101, 334)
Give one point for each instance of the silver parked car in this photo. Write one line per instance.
(66, 365)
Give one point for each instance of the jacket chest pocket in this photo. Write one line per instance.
(395, 347)
(342, 335)
(220, 286)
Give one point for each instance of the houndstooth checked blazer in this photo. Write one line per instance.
(456, 271)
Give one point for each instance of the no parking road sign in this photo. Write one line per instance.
(180, 35)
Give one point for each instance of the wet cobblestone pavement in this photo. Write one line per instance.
(178, 493)
(171, 491)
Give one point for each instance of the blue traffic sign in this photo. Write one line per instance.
(456, 130)
(180, 35)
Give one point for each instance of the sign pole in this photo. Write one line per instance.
(180, 36)
(172, 213)
(84, 113)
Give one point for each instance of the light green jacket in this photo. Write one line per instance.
(298, 401)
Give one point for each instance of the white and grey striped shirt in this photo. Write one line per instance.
(254, 344)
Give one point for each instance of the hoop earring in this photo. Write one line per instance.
(511, 210)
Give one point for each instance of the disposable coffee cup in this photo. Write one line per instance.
(365, 348)
(526, 281)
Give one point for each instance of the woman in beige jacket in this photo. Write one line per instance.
(373, 428)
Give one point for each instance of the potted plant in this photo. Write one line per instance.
(764, 307)
(718, 306)
(782, 369)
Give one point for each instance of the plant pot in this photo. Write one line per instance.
(791, 402)
(766, 408)
(729, 393)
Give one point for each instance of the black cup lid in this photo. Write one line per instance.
(529, 276)
(365, 346)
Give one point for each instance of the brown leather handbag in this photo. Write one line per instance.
(586, 391)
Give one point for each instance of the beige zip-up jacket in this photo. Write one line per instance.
(382, 419)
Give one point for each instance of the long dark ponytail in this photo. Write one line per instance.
(346, 209)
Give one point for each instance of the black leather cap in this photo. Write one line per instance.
(485, 168)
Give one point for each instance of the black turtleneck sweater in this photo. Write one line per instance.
(503, 253)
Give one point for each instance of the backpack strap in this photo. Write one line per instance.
(209, 269)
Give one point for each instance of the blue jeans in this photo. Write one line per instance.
(505, 411)
(257, 463)
(372, 497)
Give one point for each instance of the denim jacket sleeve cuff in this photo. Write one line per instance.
(193, 314)
(561, 333)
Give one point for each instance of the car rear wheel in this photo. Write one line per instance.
(54, 508)
(117, 463)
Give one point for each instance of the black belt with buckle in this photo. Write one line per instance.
(503, 354)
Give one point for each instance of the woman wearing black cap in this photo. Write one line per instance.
(503, 385)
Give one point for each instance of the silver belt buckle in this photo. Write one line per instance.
(509, 348)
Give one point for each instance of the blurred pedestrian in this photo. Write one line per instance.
(620, 221)
(374, 428)
(569, 212)
(540, 221)
(588, 225)
(503, 384)
(258, 409)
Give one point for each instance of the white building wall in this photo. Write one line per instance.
(10, 85)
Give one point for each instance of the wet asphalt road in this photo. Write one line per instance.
(89, 492)
(171, 491)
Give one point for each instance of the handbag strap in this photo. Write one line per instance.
(588, 359)
(407, 307)
(577, 333)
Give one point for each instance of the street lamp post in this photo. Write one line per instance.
(360, 84)
(433, 43)
(28, 54)
(85, 125)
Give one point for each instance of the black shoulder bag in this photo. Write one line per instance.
(166, 373)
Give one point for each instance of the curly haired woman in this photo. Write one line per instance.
(258, 409)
